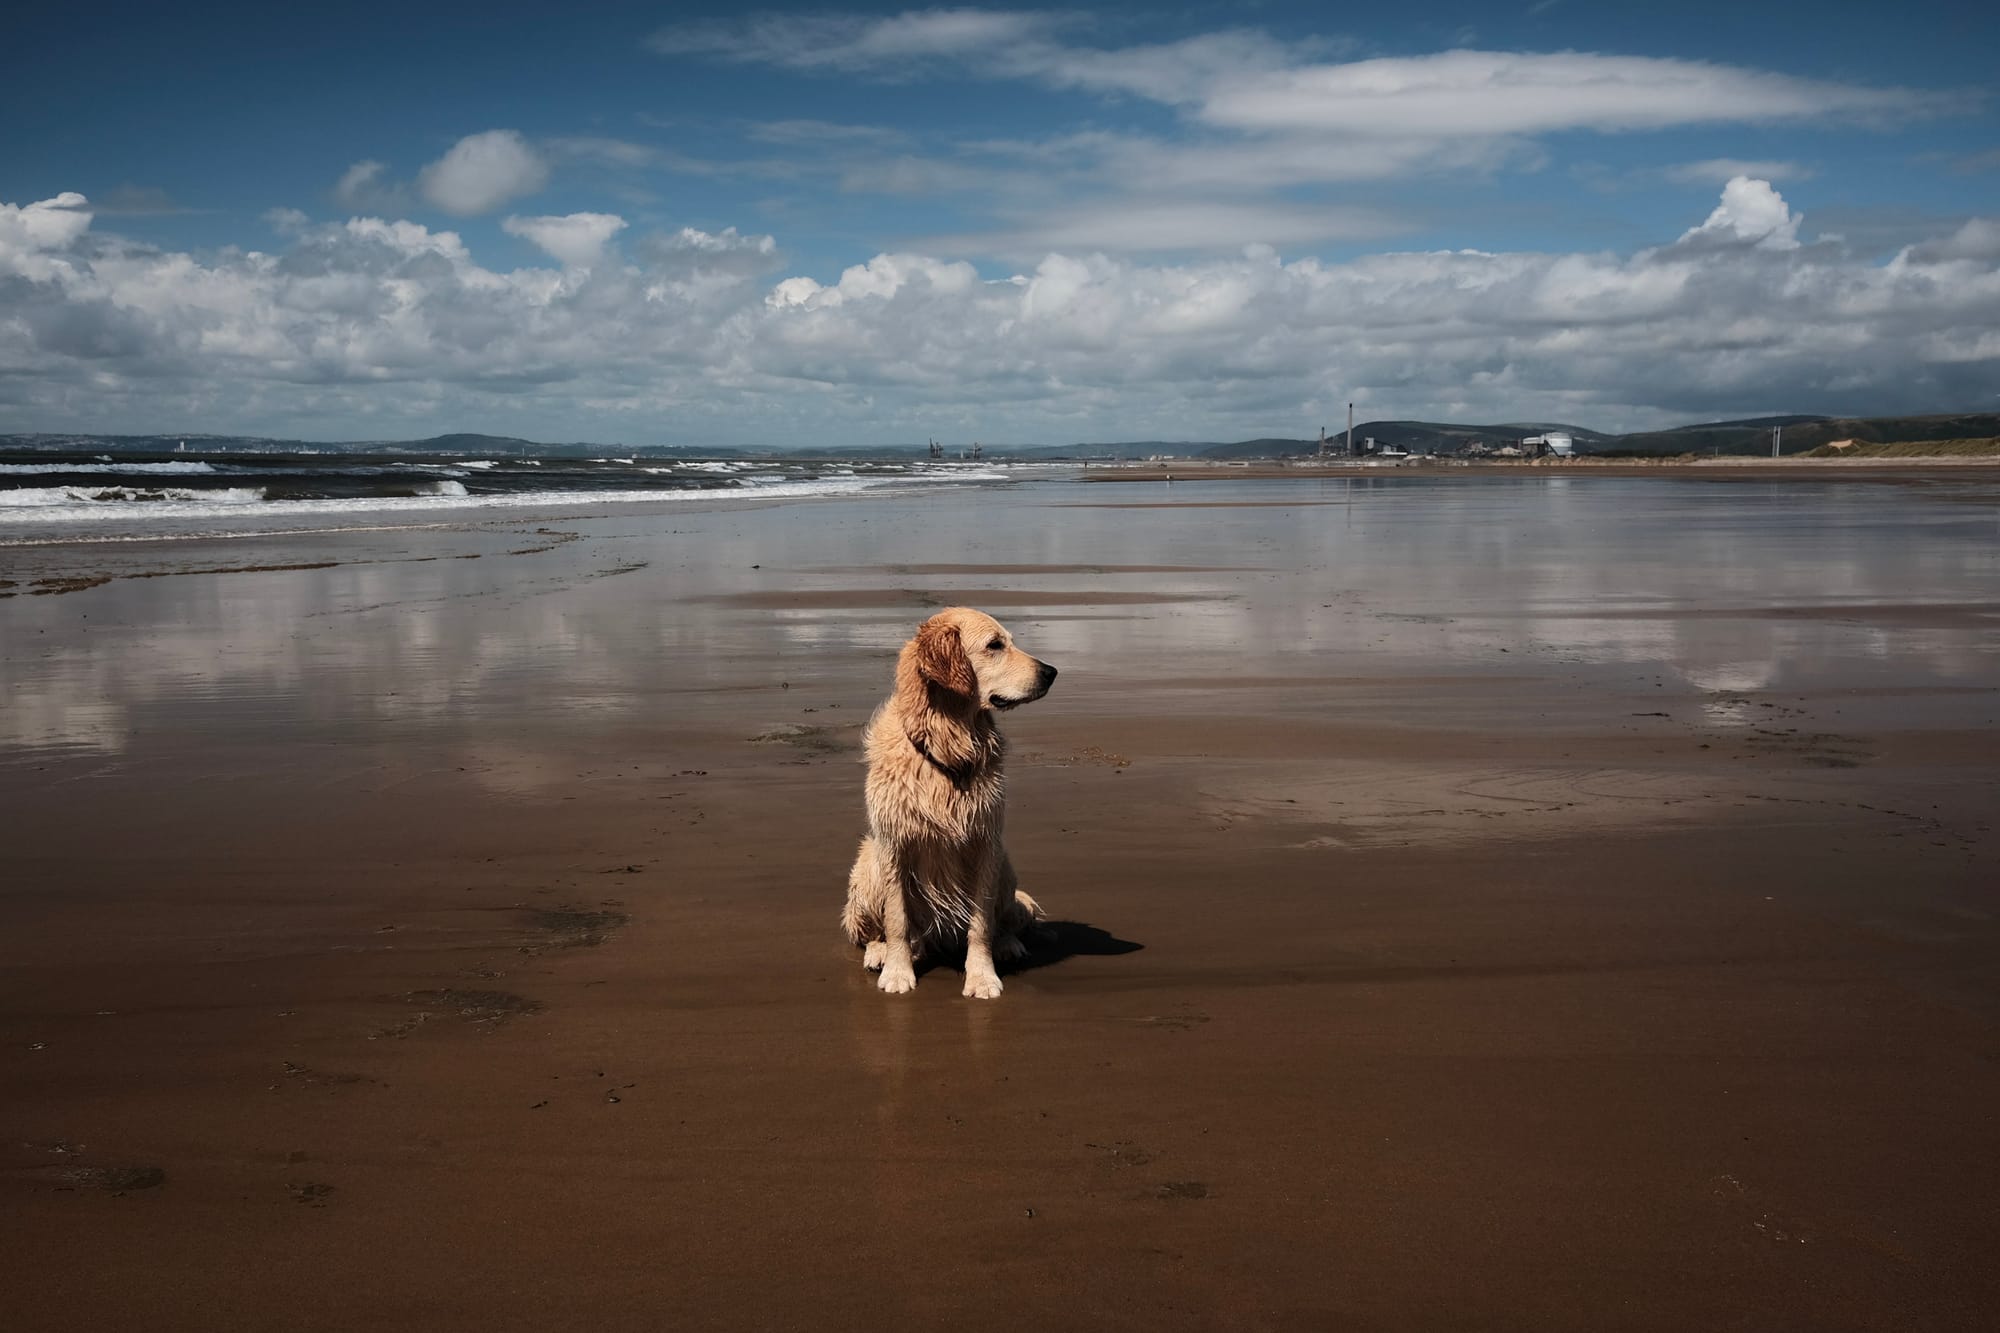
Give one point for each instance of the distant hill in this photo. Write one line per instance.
(1987, 448)
(1800, 434)
(1750, 436)
(1264, 448)
(1124, 449)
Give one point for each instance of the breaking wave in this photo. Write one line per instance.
(50, 497)
(92, 498)
(127, 469)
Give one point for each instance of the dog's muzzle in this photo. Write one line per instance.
(1045, 676)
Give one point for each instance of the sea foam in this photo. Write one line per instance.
(122, 469)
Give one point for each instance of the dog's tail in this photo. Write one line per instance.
(861, 918)
(1020, 913)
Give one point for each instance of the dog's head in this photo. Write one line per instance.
(970, 654)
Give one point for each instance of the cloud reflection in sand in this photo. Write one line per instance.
(1718, 588)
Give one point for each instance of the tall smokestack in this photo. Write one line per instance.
(1350, 430)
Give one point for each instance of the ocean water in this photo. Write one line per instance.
(47, 497)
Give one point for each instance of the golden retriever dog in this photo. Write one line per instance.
(932, 872)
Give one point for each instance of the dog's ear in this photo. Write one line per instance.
(941, 658)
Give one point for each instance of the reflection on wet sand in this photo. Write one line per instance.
(1696, 584)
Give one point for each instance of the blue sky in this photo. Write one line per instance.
(694, 224)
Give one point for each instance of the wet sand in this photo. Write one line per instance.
(1473, 911)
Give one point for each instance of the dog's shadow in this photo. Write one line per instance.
(1052, 942)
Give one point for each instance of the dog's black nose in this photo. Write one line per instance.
(1047, 675)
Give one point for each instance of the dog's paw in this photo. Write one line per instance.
(981, 986)
(897, 980)
(876, 954)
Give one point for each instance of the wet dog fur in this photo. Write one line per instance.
(933, 874)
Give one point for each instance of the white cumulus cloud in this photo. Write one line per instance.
(1978, 241)
(46, 224)
(372, 327)
(728, 241)
(481, 172)
(1752, 213)
(576, 239)
(33, 236)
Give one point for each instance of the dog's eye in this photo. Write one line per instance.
(995, 646)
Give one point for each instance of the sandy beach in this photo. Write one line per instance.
(1506, 904)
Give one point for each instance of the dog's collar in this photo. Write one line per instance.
(960, 775)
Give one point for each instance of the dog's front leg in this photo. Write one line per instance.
(899, 968)
(982, 980)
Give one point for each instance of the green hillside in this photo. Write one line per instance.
(1801, 435)
(1989, 448)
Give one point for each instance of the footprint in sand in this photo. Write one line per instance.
(117, 1180)
(1182, 1189)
